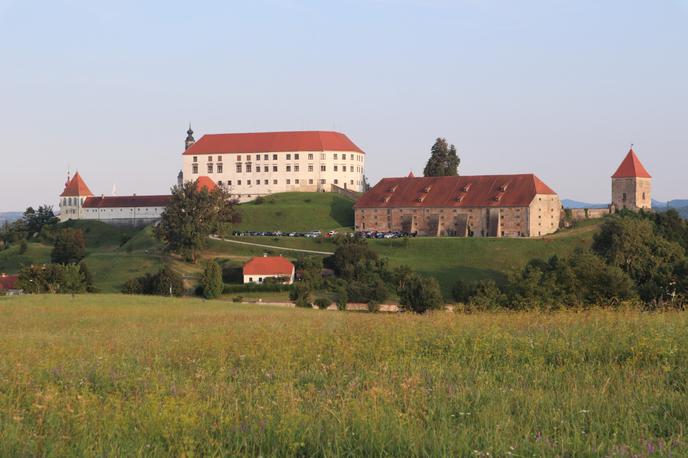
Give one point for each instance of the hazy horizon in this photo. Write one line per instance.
(558, 88)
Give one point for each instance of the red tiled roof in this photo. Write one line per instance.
(126, 201)
(631, 167)
(464, 191)
(205, 182)
(269, 265)
(269, 142)
(8, 282)
(76, 187)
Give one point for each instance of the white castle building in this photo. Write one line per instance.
(78, 202)
(248, 165)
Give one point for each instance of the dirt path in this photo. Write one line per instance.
(272, 247)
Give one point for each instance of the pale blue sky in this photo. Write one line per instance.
(555, 87)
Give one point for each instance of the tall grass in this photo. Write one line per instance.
(114, 375)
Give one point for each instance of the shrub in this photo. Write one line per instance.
(420, 294)
(52, 278)
(70, 246)
(23, 246)
(211, 280)
(373, 306)
(486, 296)
(259, 200)
(238, 299)
(341, 298)
(322, 303)
(163, 283)
(257, 287)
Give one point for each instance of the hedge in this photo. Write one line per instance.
(255, 287)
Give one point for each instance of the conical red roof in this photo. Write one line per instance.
(205, 182)
(76, 187)
(631, 167)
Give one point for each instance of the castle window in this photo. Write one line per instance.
(344, 168)
(257, 169)
(194, 168)
(288, 181)
(335, 156)
(195, 158)
(238, 158)
(219, 168)
(248, 157)
(624, 197)
(323, 168)
(274, 157)
(322, 181)
(210, 159)
(210, 168)
(219, 183)
(289, 157)
(643, 196)
(296, 157)
(274, 168)
(296, 168)
(310, 157)
(274, 181)
(229, 183)
(296, 181)
(248, 182)
(239, 182)
(219, 159)
(322, 156)
(310, 167)
(248, 167)
(288, 169)
(310, 181)
(265, 157)
(335, 168)
(336, 181)
(238, 167)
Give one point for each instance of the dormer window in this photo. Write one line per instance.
(386, 199)
(420, 198)
(459, 198)
(393, 188)
(466, 188)
(427, 189)
(503, 187)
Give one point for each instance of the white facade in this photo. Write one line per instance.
(259, 279)
(247, 176)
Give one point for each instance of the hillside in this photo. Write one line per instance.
(446, 259)
(8, 217)
(116, 254)
(297, 211)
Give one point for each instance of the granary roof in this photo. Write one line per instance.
(268, 142)
(76, 187)
(126, 201)
(631, 167)
(462, 191)
(268, 265)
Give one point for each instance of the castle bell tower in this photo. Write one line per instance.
(73, 197)
(631, 185)
(189, 138)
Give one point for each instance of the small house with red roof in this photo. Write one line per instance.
(253, 164)
(258, 269)
(631, 185)
(463, 206)
(78, 202)
(9, 285)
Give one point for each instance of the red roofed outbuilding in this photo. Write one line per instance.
(485, 205)
(9, 284)
(257, 269)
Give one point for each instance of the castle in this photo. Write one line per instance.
(249, 165)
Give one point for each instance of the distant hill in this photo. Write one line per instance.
(9, 217)
(569, 203)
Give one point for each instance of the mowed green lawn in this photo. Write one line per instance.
(297, 211)
(128, 376)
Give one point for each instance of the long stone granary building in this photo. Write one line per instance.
(465, 206)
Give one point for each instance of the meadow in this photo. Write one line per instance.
(131, 376)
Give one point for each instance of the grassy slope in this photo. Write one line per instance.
(294, 211)
(11, 261)
(444, 258)
(128, 376)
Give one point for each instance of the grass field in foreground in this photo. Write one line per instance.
(127, 376)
